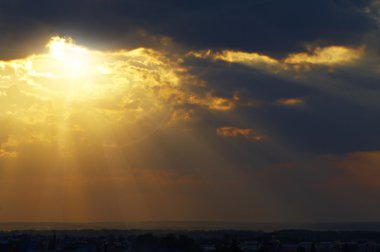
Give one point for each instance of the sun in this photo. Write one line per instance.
(68, 59)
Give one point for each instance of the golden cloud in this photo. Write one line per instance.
(332, 55)
(245, 57)
(250, 134)
(251, 59)
(323, 56)
(71, 96)
(7, 154)
(290, 101)
(222, 103)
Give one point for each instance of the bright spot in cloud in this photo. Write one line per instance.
(71, 59)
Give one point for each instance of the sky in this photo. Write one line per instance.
(204, 110)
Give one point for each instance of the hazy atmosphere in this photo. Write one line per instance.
(202, 110)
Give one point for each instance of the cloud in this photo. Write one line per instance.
(319, 56)
(247, 58)
(250, 134)
(70, 94)
(332, 86)
(61, 93)
(269, 27)
(332, 55)
(7, 154)
(290, 101)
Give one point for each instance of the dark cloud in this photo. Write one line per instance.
(226, 79)
(337, 114)
(270, 26)
(326, 125)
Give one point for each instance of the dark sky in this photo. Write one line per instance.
(244, 110)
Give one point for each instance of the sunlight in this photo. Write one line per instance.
(72, 96)
(70, 59)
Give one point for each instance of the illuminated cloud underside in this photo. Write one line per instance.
(71, 94)
(319, 56)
